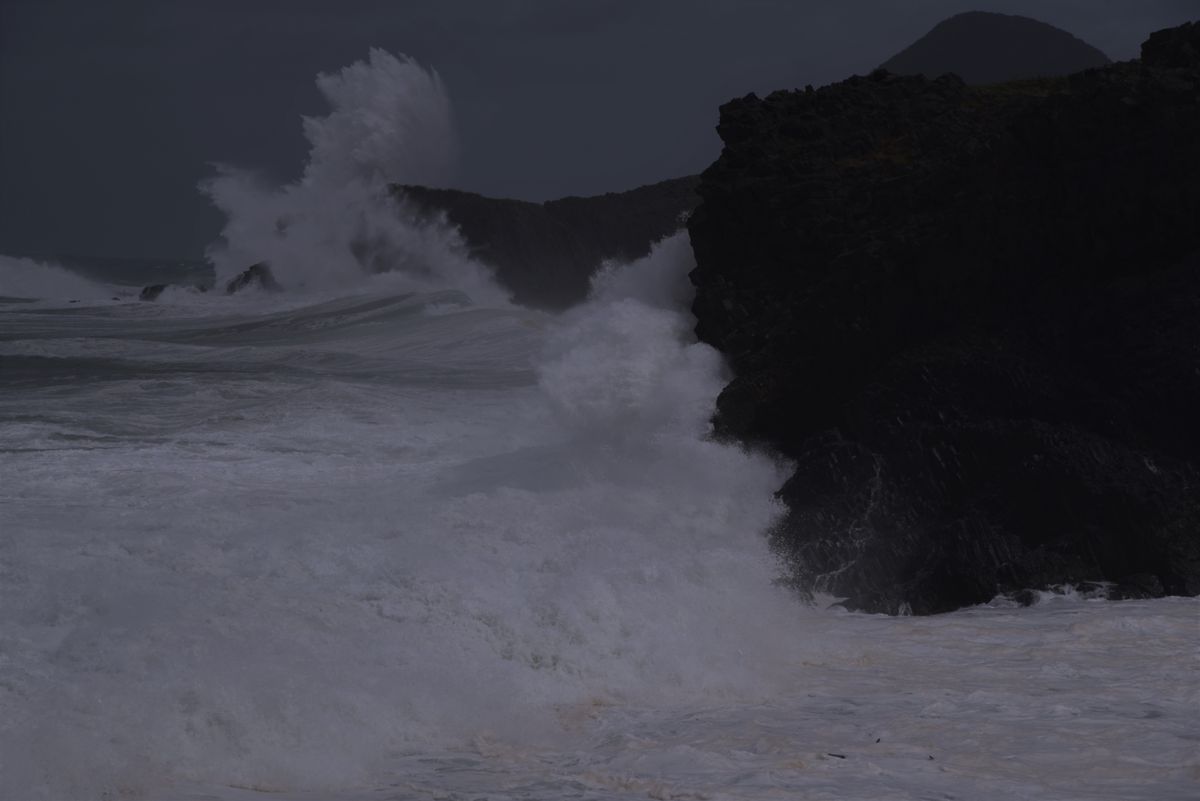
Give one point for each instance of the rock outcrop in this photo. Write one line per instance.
(546, 253)
(1174, 48)
(152, 291)
(971, 316)
(982, 47)
(255, 276)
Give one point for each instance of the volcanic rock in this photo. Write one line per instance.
(971, 317)
(546, 253)
(1174, 48)
(152, 292)
(256, 275)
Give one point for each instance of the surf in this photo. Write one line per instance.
(385, 531)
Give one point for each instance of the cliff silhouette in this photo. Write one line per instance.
(981, 48)
(971, 317)
(546, 253)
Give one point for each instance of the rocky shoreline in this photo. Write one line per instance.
(546, 253)
(968, 314)
(971, 317)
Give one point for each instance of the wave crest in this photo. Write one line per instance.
(390, 121)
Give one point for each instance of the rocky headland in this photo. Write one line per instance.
(546, 253)
(256, 276)
(967, 311)
(971, 317)
(543, 253)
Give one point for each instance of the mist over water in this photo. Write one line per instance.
(389, 122)
(29, 279)
(373, 525)
(385, 535)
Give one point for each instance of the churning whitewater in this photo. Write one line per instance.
(386, 535)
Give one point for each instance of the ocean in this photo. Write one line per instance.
(393, 537)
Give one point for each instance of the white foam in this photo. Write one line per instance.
(284, 577)
(625, 364)
(354, 548)
(389, 122)
(371, 538)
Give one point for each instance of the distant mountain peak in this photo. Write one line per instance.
(983, 47)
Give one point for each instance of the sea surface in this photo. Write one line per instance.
(389, 536)
(392, 542)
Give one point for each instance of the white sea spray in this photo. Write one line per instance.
(390, 122)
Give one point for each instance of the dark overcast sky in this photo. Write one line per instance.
(111, 111)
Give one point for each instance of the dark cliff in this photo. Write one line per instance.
(546, 253)
(982, 48)
(971, 316)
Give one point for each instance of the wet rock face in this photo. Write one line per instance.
(546, 253)
(1174, 48)
(256, 275)
(972, 318)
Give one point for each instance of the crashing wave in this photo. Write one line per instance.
(390, 121)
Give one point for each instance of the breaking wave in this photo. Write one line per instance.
(396, 535)
(382, 523)
(389, 122)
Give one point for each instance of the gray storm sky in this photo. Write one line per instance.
(111, 112)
